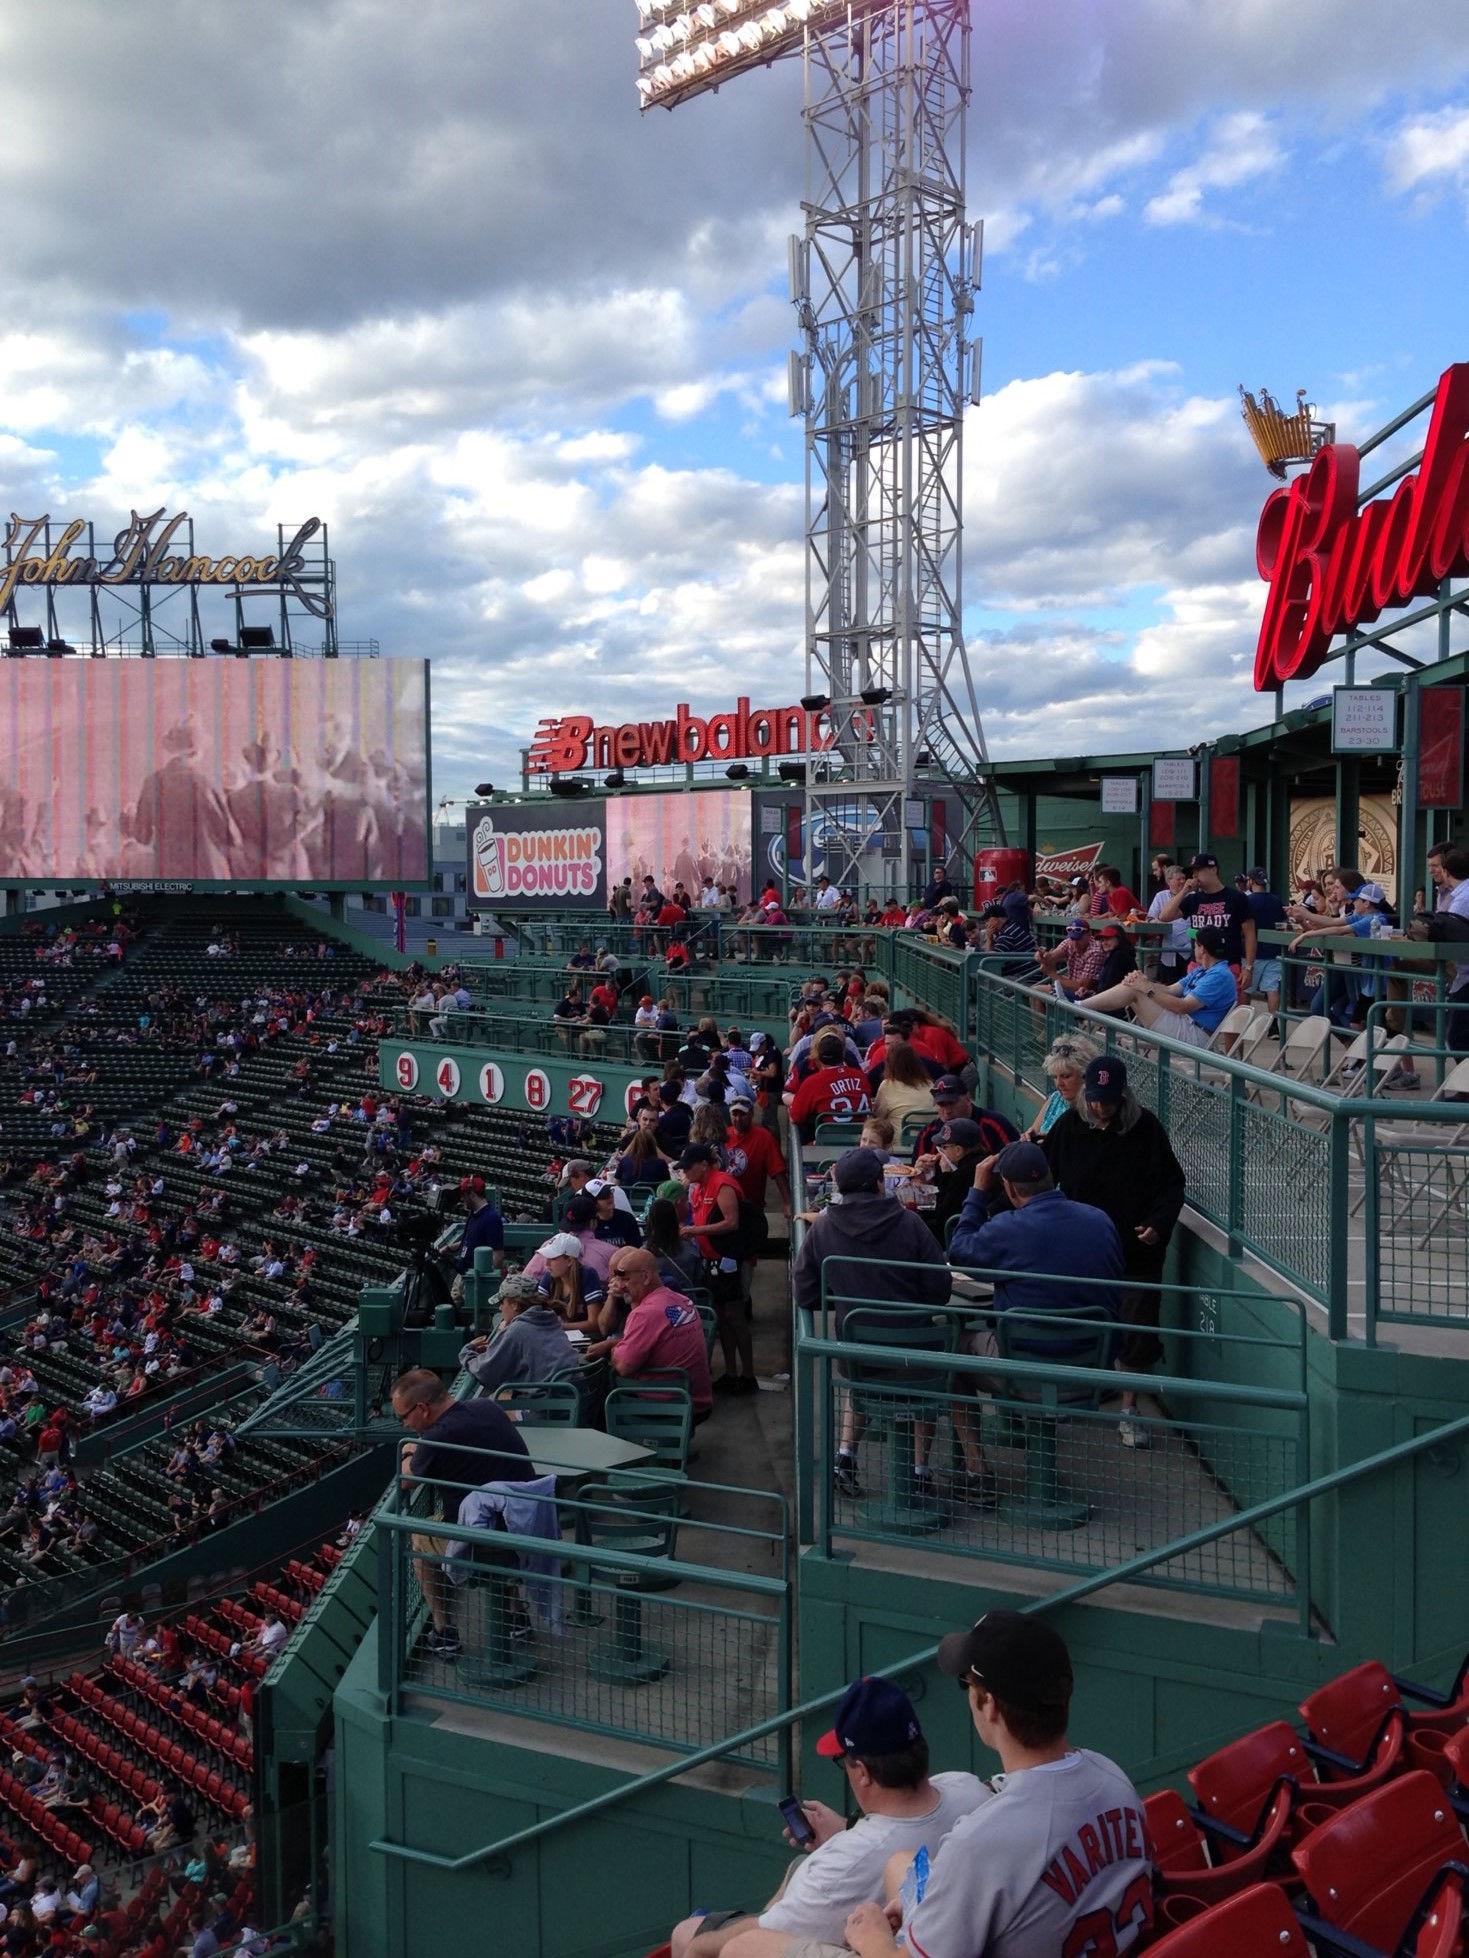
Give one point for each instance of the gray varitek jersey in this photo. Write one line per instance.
(1056, 1866)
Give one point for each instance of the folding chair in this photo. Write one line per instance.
(643, 1520)
(1047, 1337)
(1302, 1054)
(542, 1403)
(898, 1396)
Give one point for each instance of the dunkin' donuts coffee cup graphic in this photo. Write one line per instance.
(489, 861)
(536, 863)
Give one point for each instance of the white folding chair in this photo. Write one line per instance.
(1455, 1178)
(1303, 1053)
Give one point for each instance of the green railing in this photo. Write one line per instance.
(1280, 1163)
(1129, 1571)
(1067, 1496)
(639, 1644)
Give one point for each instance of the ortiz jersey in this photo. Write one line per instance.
(1056, 1866)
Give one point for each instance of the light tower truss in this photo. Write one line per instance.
(883, 279)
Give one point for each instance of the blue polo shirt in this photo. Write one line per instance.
(485, 1231)
(1216, 988)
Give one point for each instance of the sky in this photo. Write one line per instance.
(429, 275)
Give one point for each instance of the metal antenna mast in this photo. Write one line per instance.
(883, 281)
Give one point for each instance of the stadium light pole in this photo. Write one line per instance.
(883, 279)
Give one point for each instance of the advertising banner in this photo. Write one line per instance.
(543, 856)
(784, 836)
(214, 772)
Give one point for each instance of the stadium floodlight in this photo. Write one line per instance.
(876, 696)
(484, 788)
(223, 646)
(58, 649)
(815, 703)
(615, 780)
(791, 771)
(684, 50)
(737, 772)
(27, 639)
(258, 638)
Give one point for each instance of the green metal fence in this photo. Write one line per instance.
(1056, 1488)
(614, 1634)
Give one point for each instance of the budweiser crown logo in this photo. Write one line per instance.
(1283, 438)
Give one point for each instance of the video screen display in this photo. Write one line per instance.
(681, 837)
(224, 771)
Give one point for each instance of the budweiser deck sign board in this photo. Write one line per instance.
(1333, 568)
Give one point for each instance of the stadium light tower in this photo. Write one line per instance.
(883, 281)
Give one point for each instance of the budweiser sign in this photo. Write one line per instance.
(1333, 568)
(565, 743)
(1069, 863)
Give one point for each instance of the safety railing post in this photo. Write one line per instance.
(1372, 1227)
(391, 1634)
(1338, 1269)
(1236, 1190)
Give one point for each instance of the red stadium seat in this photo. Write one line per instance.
(1388, 1868)
(1234, 1785)
(1206, 1861)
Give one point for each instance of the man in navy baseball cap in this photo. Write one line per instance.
(902, 1809)
(873, 1717)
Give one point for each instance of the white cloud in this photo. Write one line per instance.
(1430, 153)
(1242, 147)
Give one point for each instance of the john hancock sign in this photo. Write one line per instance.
(153, 549)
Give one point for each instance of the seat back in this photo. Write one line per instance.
(1234, 1785)
(1347, 1711)
(1368, 1868)
(640, 1518)
(1078, 1335)
(1258, 1923)
(878, 1326)
(542, 1403)
(1305, 1046)
(1234, 1023)
(660, 1418)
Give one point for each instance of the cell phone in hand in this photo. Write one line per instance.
(794, 1817)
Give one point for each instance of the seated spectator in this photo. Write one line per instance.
(1121, 956)
(643, 1164)
(835, 1090)
(615, 1222)
(1038, 1231)
(869, 1250)
(877, 1743)
(1015, 1874)
(531, 1342)
(575, 1290)
(1080, 957)
(679, 1263)
(1189, 1010)
(907, 1086)
(661, 1328)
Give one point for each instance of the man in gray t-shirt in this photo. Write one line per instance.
(1057, 1865)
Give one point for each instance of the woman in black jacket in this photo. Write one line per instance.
(1113, 1153)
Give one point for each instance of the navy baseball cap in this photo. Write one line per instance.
(874, 1717)
(1020, 1659)
(961, 1134)
(1201, 860)
(1078, 928)
(1105, 1079)
(858, 1169)
(1022, 1162)
(948, 1087)
(696, 1153)
(581, 1211)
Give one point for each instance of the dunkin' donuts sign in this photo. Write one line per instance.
(1332, 568)
(553, 856)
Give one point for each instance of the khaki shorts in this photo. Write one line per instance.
(430, 1546)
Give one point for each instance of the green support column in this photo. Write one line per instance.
(1348, 809)
(1277, 834)
(336, 905)
(1410, 856)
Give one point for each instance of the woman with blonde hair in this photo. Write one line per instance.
(1065, 1067)
(575, 1291)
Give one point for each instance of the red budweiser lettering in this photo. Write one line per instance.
(565, 743)
(1331, 567)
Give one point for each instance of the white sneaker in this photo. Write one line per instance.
(1133, 1433)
